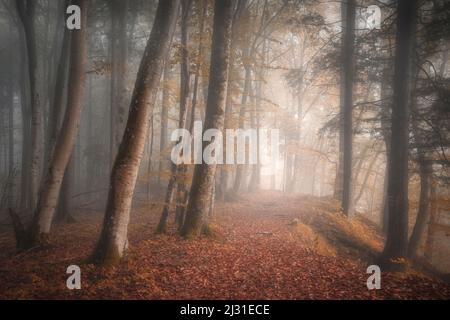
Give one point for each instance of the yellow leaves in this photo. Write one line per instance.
(313, 240)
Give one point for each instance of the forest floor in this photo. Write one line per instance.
(268, 246)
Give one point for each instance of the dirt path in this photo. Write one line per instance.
(259, 254)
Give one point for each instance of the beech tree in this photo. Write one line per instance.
(343, 186)
(113, 242)
(27, 12)
(39, 229)
(204, 175)
(119, 10)
(177, 173)
(397, 233)
(347, 103)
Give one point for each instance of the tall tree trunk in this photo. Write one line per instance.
(25, 172)
(297, 157)
(294, 179)
(425, 172)
(198, 66)
(65, 203)
(348, 66)
(240, 168)
(429, 242)
(92, 170)
(57, 109)
(255, 181)
(119, 45)
(150, 157)
(27, 12)
(422, 213)
(113, 242)
(50, 189)
(58, 62)
(161, 228)
(177, 173)
(11, 105)
(385, 116)
(184, 95)
(384, 216)
(386, 131)
(397, 235)
(165, 105)
(204, 174)
(227, 169)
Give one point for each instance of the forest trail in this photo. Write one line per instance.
(268, 246)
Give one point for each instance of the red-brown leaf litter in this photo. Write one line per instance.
(264, 246)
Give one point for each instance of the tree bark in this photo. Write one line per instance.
(11, 89)
(204, 174)
(150, 157)
(422, 213)
(348, 66)
(113, 242)
(425, 172)
(397, 235)
(119, 53)
(385, 115)
(165, 105)
(198, 65)
(25, 172)
(161, 228)
(27, 12)
(255, 181)
(429, 242)
(55, 92)
(240, 168)
(184, 95)
(50, 189)
(177, 173)
(65, 204)
(226, 170)
(57, 112)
